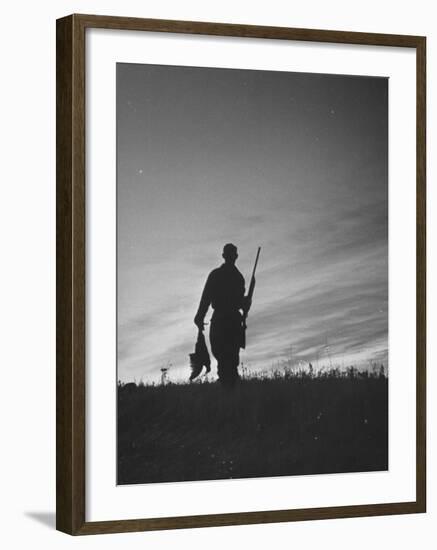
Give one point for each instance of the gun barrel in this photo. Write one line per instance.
(256, 262)
(252, 279)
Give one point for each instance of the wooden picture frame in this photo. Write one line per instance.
(71, 254)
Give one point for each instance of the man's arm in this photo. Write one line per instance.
(205, 302)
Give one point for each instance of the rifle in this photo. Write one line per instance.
(249, 298)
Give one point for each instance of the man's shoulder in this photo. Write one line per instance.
(224, 271)
(239, 272)
(215, 272)
(233, 271)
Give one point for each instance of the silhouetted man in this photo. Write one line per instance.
(224, 291)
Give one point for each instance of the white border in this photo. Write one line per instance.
(106, 501)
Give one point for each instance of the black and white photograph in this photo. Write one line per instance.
(252, 273)
(217, 283)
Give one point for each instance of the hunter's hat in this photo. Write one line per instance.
(229, 249)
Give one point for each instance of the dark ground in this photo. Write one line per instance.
(290, 425)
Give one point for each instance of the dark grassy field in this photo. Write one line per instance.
(292, 425)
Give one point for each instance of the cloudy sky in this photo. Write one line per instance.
(295, 163)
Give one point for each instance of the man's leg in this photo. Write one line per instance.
(227, 369)
(225, 346)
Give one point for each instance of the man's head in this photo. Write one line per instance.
(230, 253)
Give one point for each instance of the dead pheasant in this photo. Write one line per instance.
(200, 358)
